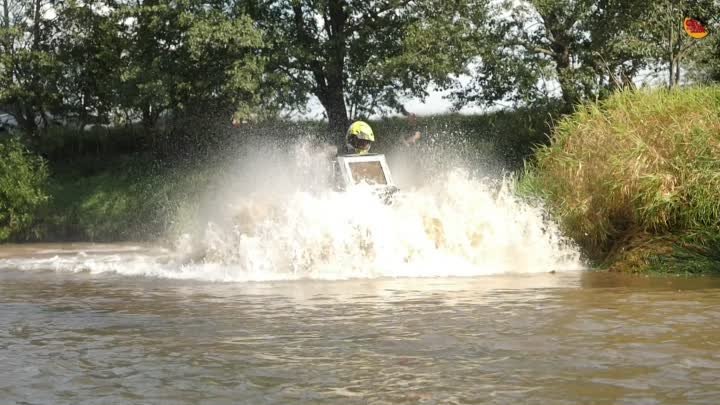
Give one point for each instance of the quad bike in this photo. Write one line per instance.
(370, 169)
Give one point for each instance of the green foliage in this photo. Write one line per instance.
(29, 68)
(183, 56)
(360, 57)
(529, 48)
(90, 51)
(22, 188)
(128, 198)
(166, 63)
(582, 50)
(95, 62)
(663, 36)
(637, 167)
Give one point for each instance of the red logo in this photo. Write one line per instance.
(695, 28)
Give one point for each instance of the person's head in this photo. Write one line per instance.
(360, 136)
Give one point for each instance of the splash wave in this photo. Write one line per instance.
(292, 227)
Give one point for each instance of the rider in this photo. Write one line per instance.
(359, 138)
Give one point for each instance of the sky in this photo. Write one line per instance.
(435, 103)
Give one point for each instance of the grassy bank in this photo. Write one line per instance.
(635, 180)
(125, 198)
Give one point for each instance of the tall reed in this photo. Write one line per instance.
(640, 166)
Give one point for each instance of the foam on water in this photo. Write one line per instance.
(272, 221)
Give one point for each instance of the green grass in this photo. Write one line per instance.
(635, 180)
(131, 198)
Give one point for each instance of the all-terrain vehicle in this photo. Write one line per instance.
(369, 169)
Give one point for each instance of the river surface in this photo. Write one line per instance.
(78, 337)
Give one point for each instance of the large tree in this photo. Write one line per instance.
(29, 70)
(90, 51)
(359, 56)
(90, 59)
(706, 66)
(180, 55)
(664, 38)
(580, 47)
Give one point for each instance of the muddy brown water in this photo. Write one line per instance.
(564, 338)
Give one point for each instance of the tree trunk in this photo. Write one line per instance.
(6, 14)
(334, 104)
(25, 117)
(562, 56)
(328, 74)
(148, 122)
(564, 69)
(36, 25)
(671, 47)
(671, 73)
(568, 88)
(149, 117)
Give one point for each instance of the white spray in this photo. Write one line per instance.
(273, 217)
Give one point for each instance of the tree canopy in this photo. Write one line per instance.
(581, 49)
(361, 57)
(89, 62)
(99, 61)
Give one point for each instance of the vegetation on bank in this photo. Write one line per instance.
(23, 178)
(125, 198)
(635, 179)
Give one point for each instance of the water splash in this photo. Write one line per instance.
(274, 218)
(457, 226)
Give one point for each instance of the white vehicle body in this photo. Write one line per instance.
(371, 169)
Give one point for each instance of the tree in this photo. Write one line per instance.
(705, 68)
(354, 56)
(584, 48)
(90, 51)
(580, 45)
(29, 71)
(89, 59)
(182, 54)
(664, 36)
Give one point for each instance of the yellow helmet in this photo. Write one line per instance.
(362, 130)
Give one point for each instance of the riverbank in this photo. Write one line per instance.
(127, 198)
(635, 180)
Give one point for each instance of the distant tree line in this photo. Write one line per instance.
(147, 62)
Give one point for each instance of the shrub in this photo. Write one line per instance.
(22, 188)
